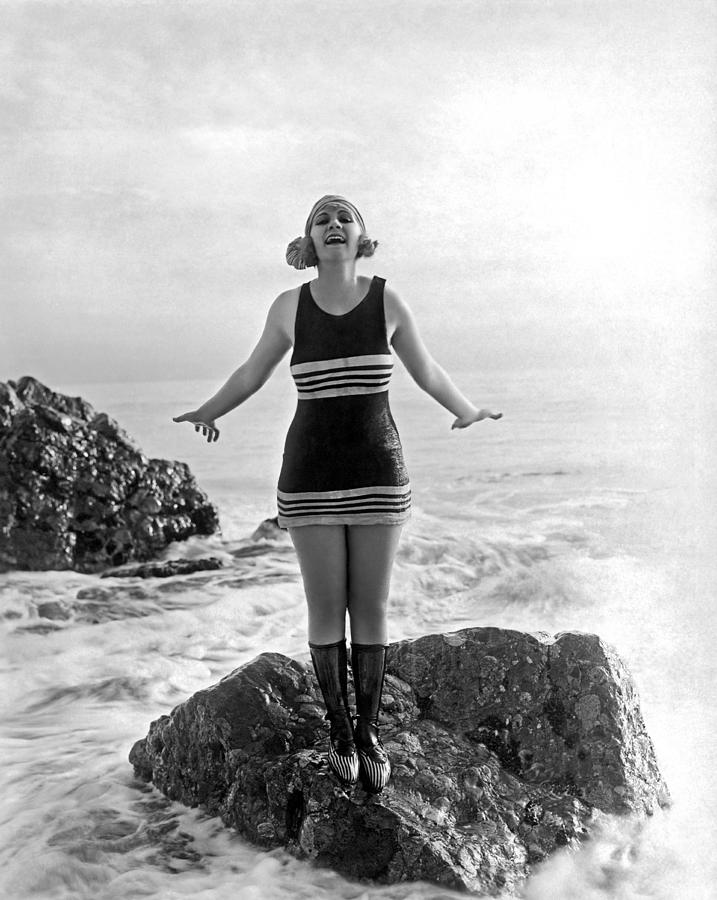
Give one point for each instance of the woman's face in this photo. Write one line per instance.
(335, 233)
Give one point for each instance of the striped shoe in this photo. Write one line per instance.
(330, 667)
(343, 759)
(374, 764)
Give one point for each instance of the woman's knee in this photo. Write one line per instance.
(366, 605)
(369, 622)
(326, 625)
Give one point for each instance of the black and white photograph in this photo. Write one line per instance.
(357, 429)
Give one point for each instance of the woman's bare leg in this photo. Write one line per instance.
(371, 552)
(322, 554)
(321, 550)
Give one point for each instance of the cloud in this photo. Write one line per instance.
(159, 156)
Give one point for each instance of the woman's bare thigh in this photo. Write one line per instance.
(371, 552)
(322, 554)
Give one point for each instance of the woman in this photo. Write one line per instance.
(343, 491)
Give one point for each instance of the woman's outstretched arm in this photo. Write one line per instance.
(275, 341)
(424, 370)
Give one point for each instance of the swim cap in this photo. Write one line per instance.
(301, 252)
(333, 200)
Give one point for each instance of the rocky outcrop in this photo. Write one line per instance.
(505, 747)
(165, 569)
(77, 493)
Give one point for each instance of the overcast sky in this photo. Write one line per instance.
(540, 176)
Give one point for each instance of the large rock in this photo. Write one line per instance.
(77, 493)
(505, 746)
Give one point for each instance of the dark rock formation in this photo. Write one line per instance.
(76, 493)
(269, 530)
(165, 569)
(505, 747)
(54, 609)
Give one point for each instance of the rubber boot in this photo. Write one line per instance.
(330, 664)
(368, 662)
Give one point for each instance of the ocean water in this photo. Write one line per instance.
(586, 507)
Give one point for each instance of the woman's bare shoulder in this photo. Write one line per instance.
(288, 297)
(286, 302)
(395, 306)
(390, 295)
(396, 311)
(283, 311)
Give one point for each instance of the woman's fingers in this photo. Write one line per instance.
(210, 432)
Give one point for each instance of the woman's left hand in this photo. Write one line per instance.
(201, 424)
(479, 415)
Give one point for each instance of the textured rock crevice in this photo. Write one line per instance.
(506, 746)
(77, 493)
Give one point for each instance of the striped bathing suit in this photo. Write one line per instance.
(342, 462)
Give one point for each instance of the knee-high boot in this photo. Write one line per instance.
(368, 662)
(330, 664)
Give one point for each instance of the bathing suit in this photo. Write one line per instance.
(343, 462)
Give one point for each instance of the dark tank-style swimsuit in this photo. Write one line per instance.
(343, 462)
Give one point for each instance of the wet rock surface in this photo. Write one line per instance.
(77, 493)
(166, 569)
(506, 746)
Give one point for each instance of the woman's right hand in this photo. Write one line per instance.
(206, 426)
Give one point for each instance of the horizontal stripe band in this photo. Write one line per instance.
(333, 501)
(342, 508)
(344, 513)
(342, 370)
(359, 376)
(345, 507)
(344, 392)
(369, 518)
(335, 385)
(331, 380)
(371, 490)
(328, 365)
(348, 501)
